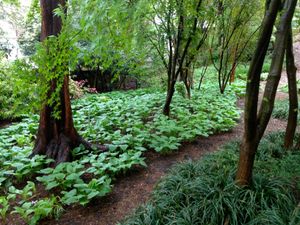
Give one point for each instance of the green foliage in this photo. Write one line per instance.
(67, 177)
(210, 78)
(239, 87)
(134, 119)
(84, 193)
(54, 59)
(18, 89)
(33, 211)
(4, 207)
(30, 34)
(204, 192)
(29, 209)
(242, 70)
(180, 88)
(107, 37)
(128, 122)
(281, 109)
(15, 148)
(235, 26)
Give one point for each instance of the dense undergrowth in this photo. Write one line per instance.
(281, 109)
(204, 192)
(129, 122)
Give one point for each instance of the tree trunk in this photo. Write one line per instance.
(293, 98)
(244, 172)
(185, 77)
(267, 105)
(255, 125)
(233, 69)
(245, 167)
(56, 137)
(170, 93)
(232, 73)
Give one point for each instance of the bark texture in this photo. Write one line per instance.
(291, 70)
(255, 124)
(56, 137)
(179, 49)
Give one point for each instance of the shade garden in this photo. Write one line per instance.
(93, 91)
(130, 123)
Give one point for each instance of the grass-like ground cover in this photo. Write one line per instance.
(281, 109)
(129, 122)
(204, 192)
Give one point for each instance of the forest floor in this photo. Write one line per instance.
(134, 188)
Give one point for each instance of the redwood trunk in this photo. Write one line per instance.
(56, 137)
(293, 98)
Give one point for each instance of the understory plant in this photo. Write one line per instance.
(129, 123)
(204, 192)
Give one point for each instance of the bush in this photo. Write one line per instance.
(242, 70)
(18, 90)
(204, 192)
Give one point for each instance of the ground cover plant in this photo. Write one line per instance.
(204, 192)
(281, 109)
(128, 122)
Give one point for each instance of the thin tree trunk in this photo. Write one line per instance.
(232, 73)
(255, 131)
(170, 93)
(293, 98)
(267, 105)
(248, 146)
(203, 72)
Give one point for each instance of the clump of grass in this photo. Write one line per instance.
(281, 109)
(204, 192)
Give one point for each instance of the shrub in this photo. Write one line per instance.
(18, 90)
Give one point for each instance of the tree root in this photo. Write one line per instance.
(60, 149)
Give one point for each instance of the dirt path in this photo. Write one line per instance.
(135, 188)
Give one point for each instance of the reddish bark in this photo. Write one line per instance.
(293, 98)
(255, 125)
(250, 139)
(56, 137)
